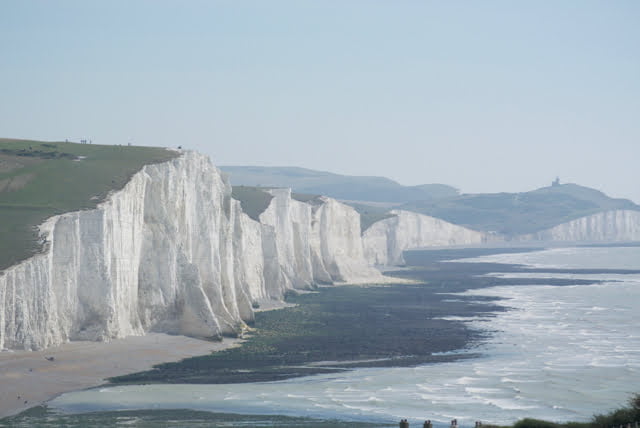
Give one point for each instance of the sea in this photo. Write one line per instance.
(561, 353)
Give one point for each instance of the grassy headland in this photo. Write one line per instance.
(521, 213)
(41, 179)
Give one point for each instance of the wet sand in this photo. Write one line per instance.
(28, 378)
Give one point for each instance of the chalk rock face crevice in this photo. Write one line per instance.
(608, 226)
(173, 252)
(385, 240)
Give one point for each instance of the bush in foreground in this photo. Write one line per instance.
(614, 419)
(621, 416)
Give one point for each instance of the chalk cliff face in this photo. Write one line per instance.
(317, 242)
(291, 224)
(155, 255)
(385, 240)
(337, 244)
(173, 252)
(618, 225)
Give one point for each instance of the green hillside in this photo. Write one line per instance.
(519, 213)
(346, 187)
(40, 179)
(253, 200)
(370, 214)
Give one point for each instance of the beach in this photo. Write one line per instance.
(30, 378)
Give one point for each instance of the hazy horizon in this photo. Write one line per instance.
(483, 96)
(549, 184)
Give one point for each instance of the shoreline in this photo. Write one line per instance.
(32, 378)
(398, 324)
(479, 282)
(92, 362)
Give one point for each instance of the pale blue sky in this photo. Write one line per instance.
(483, 95)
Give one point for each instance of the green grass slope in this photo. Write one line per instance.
(519, 213)
(253, 200)
(370, 214)
(41, 179)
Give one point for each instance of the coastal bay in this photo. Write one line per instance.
(303, 340)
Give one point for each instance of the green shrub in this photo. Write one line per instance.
(621, 416)
(534, 423)
(578, 425)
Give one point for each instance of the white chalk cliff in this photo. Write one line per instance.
(385, 240)
(608, 226)
(173, 252)
(317, 242)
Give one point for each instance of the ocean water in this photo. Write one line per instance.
(559, 353)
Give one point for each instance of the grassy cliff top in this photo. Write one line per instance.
(40, 179)
(370, 214)
(254, 200)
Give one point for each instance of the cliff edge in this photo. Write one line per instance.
(173, 252)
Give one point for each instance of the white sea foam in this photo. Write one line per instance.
(560, 353)
(569, 258)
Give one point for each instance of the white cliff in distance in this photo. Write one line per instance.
(608, 226)
(386, 240)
